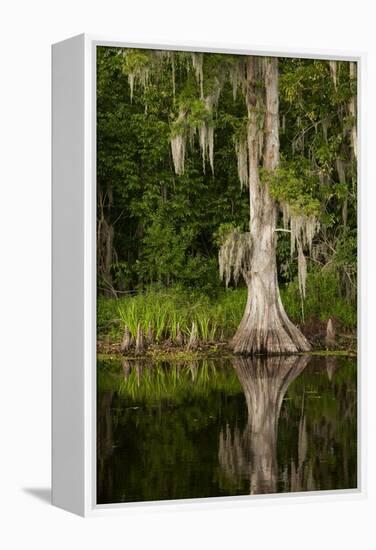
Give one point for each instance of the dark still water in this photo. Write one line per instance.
(225, 427)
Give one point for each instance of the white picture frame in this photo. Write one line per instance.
(74, 278)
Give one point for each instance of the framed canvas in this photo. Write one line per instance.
(207, 275)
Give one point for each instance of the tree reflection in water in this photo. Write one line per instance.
(230, 426)
(252, 454)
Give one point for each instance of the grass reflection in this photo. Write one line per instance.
(225, 427)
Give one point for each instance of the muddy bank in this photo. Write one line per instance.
(344, 344)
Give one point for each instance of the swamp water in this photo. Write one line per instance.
(223, 427)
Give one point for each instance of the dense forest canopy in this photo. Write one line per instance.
(174, 169)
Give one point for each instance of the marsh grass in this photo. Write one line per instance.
(168, 315)
(164, 313)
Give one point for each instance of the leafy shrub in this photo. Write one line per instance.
(323, 300)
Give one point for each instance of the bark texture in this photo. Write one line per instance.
(265, 327)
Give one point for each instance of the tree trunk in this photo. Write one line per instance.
(265, 327)
(106, 253)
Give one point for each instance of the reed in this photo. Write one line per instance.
(168, 315)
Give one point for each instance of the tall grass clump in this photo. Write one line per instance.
(169, 315)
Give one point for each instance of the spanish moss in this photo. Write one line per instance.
(235, 256)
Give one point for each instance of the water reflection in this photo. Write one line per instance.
(253, 453)
(225, 427)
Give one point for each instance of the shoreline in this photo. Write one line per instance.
(203, 351)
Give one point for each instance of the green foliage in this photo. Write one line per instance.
(295, 183)
(345, 253)
(162, 311)
(108, 320)
(196, 114)
(163, 253)
(135, 60)
(167, 229)
(163, 225)
(324, 299)
(217, 318)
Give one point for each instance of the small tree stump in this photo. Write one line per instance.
(330, 337)
(150, 335)
(126, 342)
(140, 345)
(106, 343)
(193, 338)
(179, 336)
